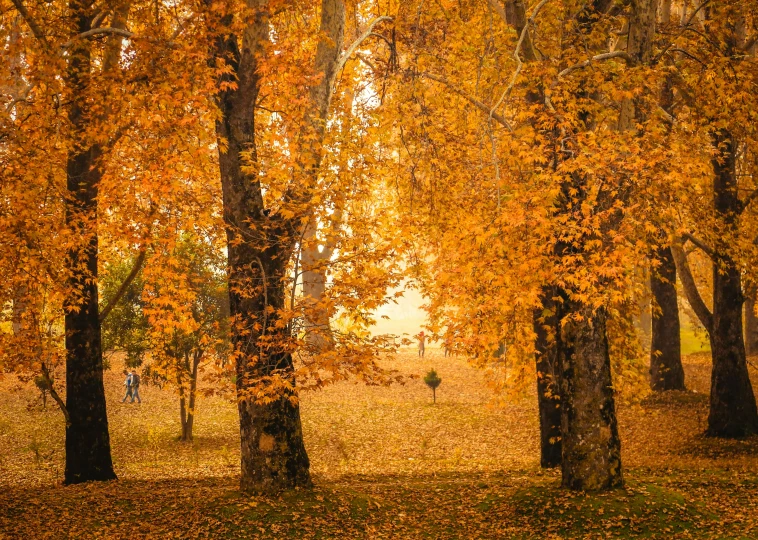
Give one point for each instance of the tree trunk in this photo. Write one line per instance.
(190, 418)
(273, 452)
(751, 321)
(259, 247)
(733, 409)
(312, 133)
(666, 371)
(591, 444)
(88, 453)
(547, 329)
(182, 401)
(317, 316)
(183, 413)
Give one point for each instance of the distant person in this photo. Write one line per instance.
(135, 387)
(128, 385)
(448, 347)
(421, 343)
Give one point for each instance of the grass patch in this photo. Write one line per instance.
(640, 510)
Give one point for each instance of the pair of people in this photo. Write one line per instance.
(132, 386)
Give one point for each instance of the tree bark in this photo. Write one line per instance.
(88, 454)
(733, 410)
(751, 321)
(666, 371)
(547, 329)
(591, 444)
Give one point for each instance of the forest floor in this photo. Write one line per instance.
(386, 463)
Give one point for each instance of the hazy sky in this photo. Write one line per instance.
(405, 317)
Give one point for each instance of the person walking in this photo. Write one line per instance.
(128, 385)
(421, 344)
(135, 387)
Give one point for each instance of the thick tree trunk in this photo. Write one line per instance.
(547, 329)
(666, 371)
(88, 453)
(591, 444)
(273, 452)
(751, 321)
(259, 247)
(733, 409)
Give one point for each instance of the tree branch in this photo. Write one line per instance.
(690, 288)
(581, 65)
(750, 198)
(36, 31)
(749, 43)
(701, 245)
(54, 394)
(357, 43)
(519, 64)
(478, 104)
(596, 58)
(684, 28)
(97, 31)
(125, 285)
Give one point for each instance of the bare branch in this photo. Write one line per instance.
(357, 43)
(701, 245)
(596, 58)
(181, 27)
(750, 198)
(690, 288)
(97, 31)
(666, 115)
(581, 65)
(517, 56)
(50, 388)
(685, 27)
(125, 285)
(478, 104)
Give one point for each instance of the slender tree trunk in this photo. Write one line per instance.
(312, 133)
(751, 321)
(88, 453)
(547, 329)
(666, 371)
(182, 402)
(187, 432)
(733, 409)
(183, 412)
(314, 263)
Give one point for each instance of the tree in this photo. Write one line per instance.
(261, 242)
(186, 307)
(717, 225)
(433, 381)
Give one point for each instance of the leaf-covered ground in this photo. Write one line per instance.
(386, 462)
